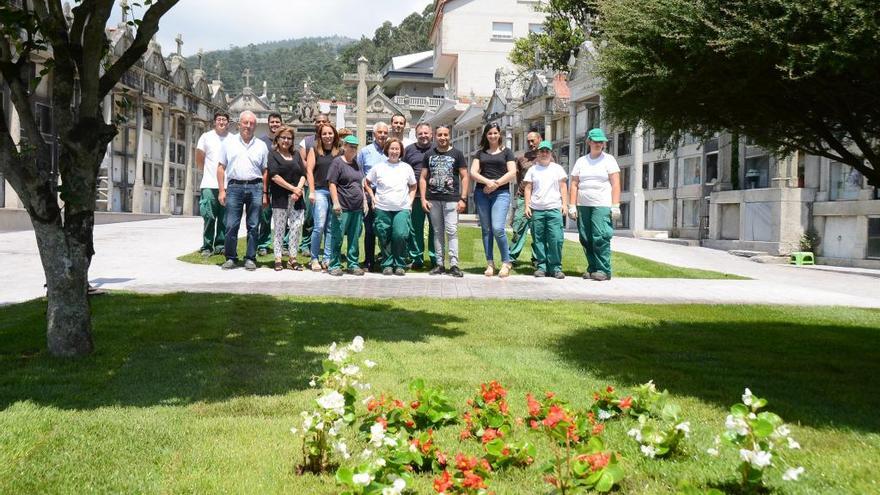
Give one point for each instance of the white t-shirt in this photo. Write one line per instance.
(211, 144)
(244, 161)
(545, 185)
(392, 181)
(594, 186)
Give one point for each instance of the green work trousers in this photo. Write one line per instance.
(348, 224)
(264, 229)
(547, 238)
(595, 231)
(392, 229)
(520, 228)
(305, 245)
(214, 216)
(416, 244)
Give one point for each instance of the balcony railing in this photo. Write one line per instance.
(418, 102)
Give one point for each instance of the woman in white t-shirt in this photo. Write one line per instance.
(595, 189)
(546, 198)
(395, 185)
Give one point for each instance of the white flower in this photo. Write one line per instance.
(413, 448)
(783, 430)
(396, 487)
(685, 427)
(307, 421)
(362, 479)
(350, 370)
(380, 462)
(332, 400)
(651, 386)
(748, 397)
(377, 433)
(357, 345)
(363, 386)
(635, 433)
(337, 354)
(792, 443)
(791, 474)
(313, 383)
(371, 364)
(737, 425)
(342, 449)
(294, 431)
(712, 451)
(390, 441)
(603, 414)
(757, 458)
(648, 450)
(366, 453)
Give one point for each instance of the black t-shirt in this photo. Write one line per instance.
(349, 180)
(493, 166)
(413, 155)
(444, 183)
(322, 166)
(289, 170)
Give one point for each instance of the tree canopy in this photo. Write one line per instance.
(567, 25)
(790, 74)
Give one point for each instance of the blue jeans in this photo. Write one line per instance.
(492, 209)
(248, 197)
(321, 227)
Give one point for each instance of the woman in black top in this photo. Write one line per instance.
(287, 176)
(317, 165)
(493, 169)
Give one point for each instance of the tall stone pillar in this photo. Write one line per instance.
(637, 207)
(188, 186)
(362, 100)
(108, 155)
(10, 197)
(137, 192)
(164, 195)
(572, 135)
(548, 127)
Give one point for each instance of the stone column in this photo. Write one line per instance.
(362, 100)
(637, 206)
(137, 192)
(10, 197)
(108, 155)
(188, 185)
(572, 135)
(725, 161)
(164, 195)
(548, 127)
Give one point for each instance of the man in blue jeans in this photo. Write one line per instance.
(243, 179)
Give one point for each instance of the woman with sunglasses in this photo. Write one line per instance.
(493, 169)
(287, 176)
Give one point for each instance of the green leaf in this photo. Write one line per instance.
(495, 447)
(739, 410)
(606, 482)
(344, 475)
(762, 428)
(416, 385)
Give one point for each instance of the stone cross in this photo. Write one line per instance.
(217, 66)
(124, 5)
(247, 77)
(179, 41)
(200, 55)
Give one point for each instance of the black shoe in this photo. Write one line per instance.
(558, 275)
(417, 266)
(336, 272)
(540, 273)
(399, 272)
(388, 271)
(357, 271)
(437, 270)
(456, 272)
(206, 252)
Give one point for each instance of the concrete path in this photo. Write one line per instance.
(141, 256)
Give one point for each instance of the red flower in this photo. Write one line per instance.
(464, 435)
(382, 420)
(485, 464)
(549, 395)
(609, 389)
(492, 391)
(472, 480)
(554, 416)
(410, 423)
(571, 433)
(490, 434)
(465, 463)
(533, 405)
(441, 458)
(373, 404)
(598, 429)
(505, 451)
(552, 480)
(626, 402)
(534, 424)
(502, 405)
(414, 404)
(596, 461)
(443, 483)
(398, 403)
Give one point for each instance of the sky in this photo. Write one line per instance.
(217, 24)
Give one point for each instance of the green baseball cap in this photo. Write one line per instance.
(545, 145)
(351, 139)
(596, 135)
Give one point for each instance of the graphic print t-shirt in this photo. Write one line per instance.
(444, 183)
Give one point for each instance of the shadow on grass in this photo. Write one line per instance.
(182, 348)
(822, 375)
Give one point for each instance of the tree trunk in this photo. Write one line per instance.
(66, 260)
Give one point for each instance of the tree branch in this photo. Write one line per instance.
(148, 27)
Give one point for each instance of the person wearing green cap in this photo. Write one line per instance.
(595, 190)
(546, 201)
(346, 179)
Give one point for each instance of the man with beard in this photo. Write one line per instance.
(414, 154)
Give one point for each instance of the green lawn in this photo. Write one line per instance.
(196, 393)
(473, 260)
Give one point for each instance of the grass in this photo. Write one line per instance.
(195, 393)
(473, 260)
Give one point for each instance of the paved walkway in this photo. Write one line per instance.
(141, 256)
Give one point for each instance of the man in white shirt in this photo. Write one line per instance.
(208, 151)
(243, 179)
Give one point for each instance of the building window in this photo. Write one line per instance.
(181, 128)
(148, 174)
(172, 153)
(157, 176)
(172, 176)
(43, 115)
(536, 28)
(646, 176)
(711, 167)
(624, 179)
(690, 213)
(846, 182)
(148, 119)
(873, 250)
(661, 175)
(660, 141)
(758, 172)
(502, 30)
(624, 143)
(181, 154)
(623, 221)
(594, 115)
(690, 171)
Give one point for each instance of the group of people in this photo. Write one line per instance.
(324, 191)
